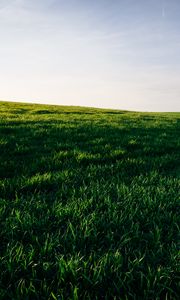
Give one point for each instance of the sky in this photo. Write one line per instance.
(122, 54)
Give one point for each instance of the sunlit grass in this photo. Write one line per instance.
(89, 203)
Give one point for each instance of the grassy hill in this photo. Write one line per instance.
(88, 203)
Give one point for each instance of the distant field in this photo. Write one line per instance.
(89, 203)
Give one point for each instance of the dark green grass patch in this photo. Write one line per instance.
(89, 203)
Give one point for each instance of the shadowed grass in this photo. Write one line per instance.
(89, 203)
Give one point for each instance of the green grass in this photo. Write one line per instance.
(89, 202)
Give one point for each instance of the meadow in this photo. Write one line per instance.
(89, 203)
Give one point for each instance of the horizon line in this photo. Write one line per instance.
(31, 102)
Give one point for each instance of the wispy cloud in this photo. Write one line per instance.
(163, 12)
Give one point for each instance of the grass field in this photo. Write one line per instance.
(89, 202)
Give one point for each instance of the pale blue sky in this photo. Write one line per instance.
(105, 53)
